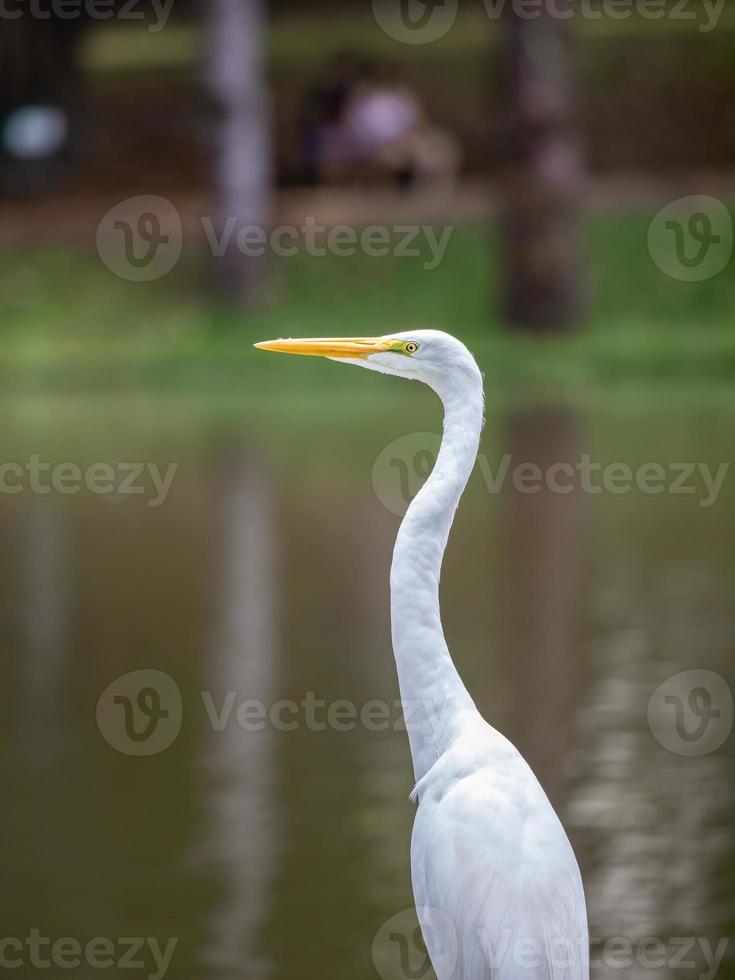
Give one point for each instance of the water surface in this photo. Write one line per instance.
(260, 584)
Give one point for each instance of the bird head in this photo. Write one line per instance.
(431, 356)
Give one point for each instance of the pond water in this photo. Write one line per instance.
(246, 795)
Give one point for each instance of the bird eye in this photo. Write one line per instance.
(411, 347)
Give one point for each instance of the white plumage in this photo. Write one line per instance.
(489, 852)
(498, 891)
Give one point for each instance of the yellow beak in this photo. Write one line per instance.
(354, 347)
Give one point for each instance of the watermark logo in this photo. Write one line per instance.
(399, 951)
(415, 21)
(155, 13)
(691, 713)
(141, 238)
(691, 239)
(141, 712)
(142, 953)
(118, 480)
(401, 469)
(423, 21)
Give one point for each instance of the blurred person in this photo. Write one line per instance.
(392, 135)
(365, 125)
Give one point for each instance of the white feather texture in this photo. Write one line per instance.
(497, 887)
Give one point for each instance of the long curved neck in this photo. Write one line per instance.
(432, 691)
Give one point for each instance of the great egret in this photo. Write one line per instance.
(497, 887)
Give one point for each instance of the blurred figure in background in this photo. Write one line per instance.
(39, 90)
(325, 140)
(368, 126)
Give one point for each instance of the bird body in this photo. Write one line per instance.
(497, 887)
(489, 853)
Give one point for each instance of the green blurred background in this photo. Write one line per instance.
(284, 852)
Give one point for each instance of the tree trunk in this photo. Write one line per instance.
(241, 153)
(540, 220)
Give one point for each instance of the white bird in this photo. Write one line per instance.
(497, 887)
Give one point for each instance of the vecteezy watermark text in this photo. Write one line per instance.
(38, 476)
(141, 713)
(312, 238)
(154, 12)
(402, 467)
(141, 239)
(399, 950)
(99, 953)
(317, 714)
(424, 21)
